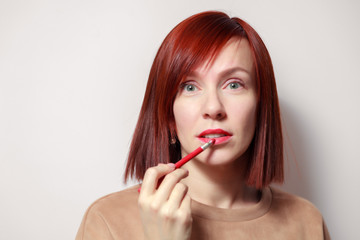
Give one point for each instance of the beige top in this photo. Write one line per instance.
(278, 215)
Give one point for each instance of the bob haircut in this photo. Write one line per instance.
(192, 42)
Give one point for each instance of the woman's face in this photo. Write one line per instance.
(219, 101)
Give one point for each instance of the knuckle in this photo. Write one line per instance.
(171, 178)
(154, 207)
(184, 217)
(151, 172)
(176, 175)
(142, 203)
(181, 171)
(181, 187)
(184, 171)
(167, 214)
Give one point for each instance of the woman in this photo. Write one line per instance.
(212, 78)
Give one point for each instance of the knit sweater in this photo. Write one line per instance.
(278, 215)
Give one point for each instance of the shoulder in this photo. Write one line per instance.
(297, 213)
(121, 201)
(286, 202)
(112, 215)
(295, 216)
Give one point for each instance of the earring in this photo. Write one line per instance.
(173, 140)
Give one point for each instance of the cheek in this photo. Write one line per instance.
(184, 115)
(245, 115)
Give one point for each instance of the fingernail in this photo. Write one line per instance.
(171, 165)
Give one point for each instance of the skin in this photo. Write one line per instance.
(216, 95)
(165, 211)
(223, 96)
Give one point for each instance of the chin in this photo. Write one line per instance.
(218, 159)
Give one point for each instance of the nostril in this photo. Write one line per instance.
(213, 108)
(220, 115)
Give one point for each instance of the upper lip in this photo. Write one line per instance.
(214, 131)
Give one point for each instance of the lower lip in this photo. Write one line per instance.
(218, 140)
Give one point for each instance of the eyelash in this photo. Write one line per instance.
(236, 81)
(227, 84)
(189, 83)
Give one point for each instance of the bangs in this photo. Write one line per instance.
(195, 42)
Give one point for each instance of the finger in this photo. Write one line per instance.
(168, 184)
(170, 207)
(152, 176)
(177, 195)
(183, 216)
(185, 205)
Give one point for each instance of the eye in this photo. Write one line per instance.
(189, 87)
(234, 85)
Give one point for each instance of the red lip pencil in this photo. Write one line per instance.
(191, 156)
(194, 153)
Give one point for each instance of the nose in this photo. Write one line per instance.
(213, 107)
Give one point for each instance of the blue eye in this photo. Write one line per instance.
(234, 85)
(189, 87)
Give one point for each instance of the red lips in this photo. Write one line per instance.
(219, 135)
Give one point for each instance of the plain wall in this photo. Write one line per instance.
(72, 79)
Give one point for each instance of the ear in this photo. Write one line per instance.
(172, 129)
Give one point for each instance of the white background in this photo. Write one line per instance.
(72, 78)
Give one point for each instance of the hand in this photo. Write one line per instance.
(165, 209)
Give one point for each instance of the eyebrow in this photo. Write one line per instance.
(223, 73)
(232, 70)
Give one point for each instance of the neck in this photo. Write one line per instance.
(220, 186)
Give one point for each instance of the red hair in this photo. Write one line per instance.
(192, 42)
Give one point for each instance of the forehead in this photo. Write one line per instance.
(236, 53)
